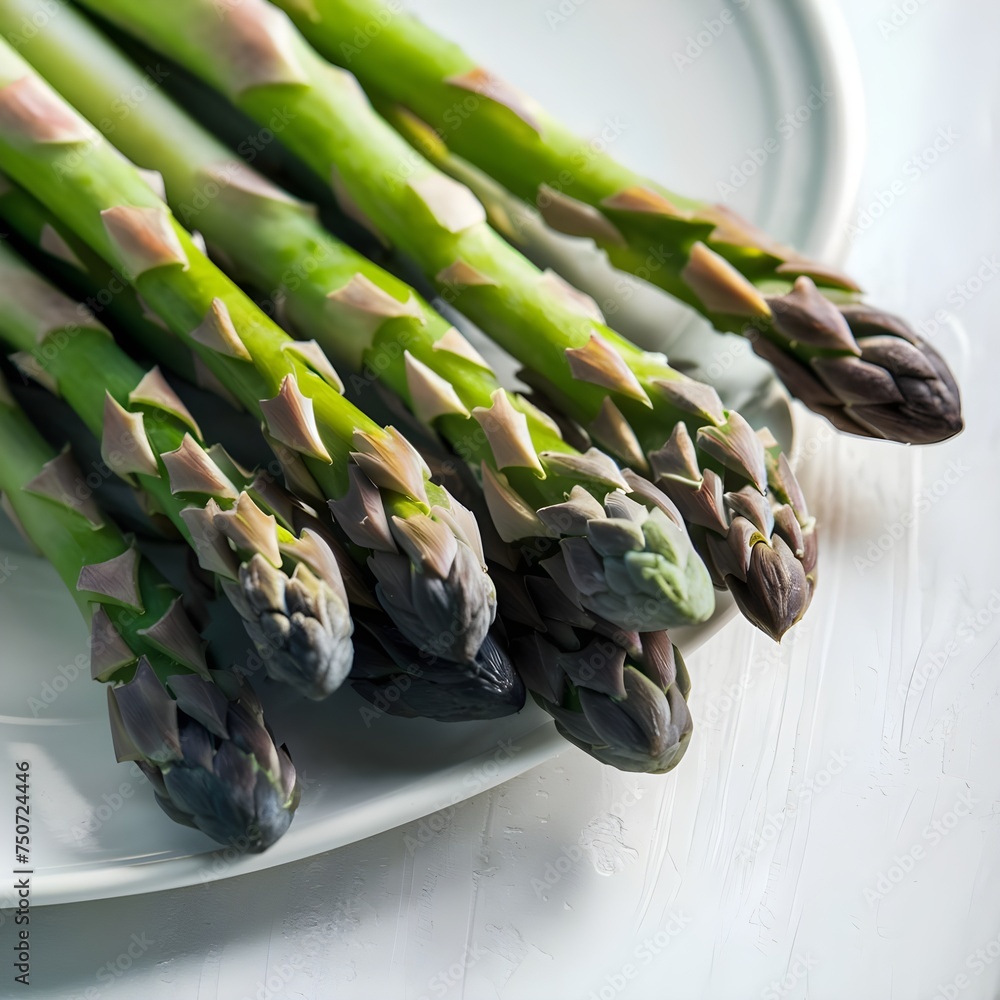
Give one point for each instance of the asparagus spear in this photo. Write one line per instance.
(618, 695)
(197, 733)
(387, 669)
(364, 317)
(865, 370)
(422, 547)
(286, 587)
(634, 404)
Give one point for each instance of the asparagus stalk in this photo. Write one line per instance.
(865, 370)
(649, 575)
(422, 547)
(287, 588)
(633, 403)
(197, 733)
(619, 695)
(390, 671)
(387, 670)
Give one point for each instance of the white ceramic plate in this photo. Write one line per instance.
(96, 831)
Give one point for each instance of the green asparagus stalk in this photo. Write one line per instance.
(865, 370)
(287, 588)
(197, 733)
(707, 458)
(618, 695)
(422, 547)
(363, 317)
(387, 670)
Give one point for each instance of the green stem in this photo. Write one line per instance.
(69, 541)
(169, 718)
(86, 366)
(804, 317)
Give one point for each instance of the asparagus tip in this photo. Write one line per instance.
(864, 369)
(445, 616)
(777, 591)
(302, 623)
(930, 408)
(398, 679)
(626, 709)
(631, 564)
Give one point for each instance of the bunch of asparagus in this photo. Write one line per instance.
(197, 732)
(482, 542)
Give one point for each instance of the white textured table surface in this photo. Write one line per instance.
(832, 832)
